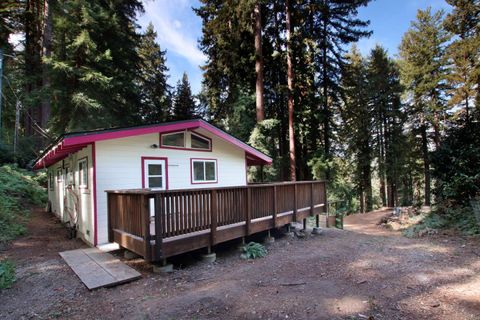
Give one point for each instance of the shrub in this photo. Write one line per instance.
(7, 274)
(253, 250)
(19, 188)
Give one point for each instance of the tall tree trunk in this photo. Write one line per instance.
(426, 162)
(326, 111)
(291, 134)
(46, 51)
(381, 164)
(259, 63)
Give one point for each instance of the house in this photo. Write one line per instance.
(190, 154)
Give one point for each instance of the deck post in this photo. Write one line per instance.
(159, 212)
(110, 216)
(213, 218)
(312, 204)
(304, 223)
(294, 218)
(274, 207)
(248, 218)
(146, 226)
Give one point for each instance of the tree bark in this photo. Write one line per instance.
(426, 162)
(46, 51)
(259, 63)
(291, 134)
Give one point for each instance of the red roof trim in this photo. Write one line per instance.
(74, 143)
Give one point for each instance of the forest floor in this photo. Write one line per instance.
(362, 272)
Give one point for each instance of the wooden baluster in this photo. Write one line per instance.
(168, 213)
(213, 218)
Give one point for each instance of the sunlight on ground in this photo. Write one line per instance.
(426, 247)
(346, 305)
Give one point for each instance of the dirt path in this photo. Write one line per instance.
(363, 271)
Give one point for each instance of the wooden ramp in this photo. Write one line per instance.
(98, 269)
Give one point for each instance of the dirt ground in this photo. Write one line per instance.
(362, 272)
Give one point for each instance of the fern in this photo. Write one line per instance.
(253, 250)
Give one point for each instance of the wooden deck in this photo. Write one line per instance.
(161, 224)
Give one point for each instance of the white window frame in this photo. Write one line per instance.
(192, 172)
(172, 133)
(82, 184)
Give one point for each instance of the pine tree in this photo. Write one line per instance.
(463, 54)
(357, 117)
(184, 106)
(384, 97)
(423, 72)
(335, 25)
(95, 64)
(152, 79)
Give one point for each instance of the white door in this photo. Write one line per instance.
(155, 174)
(155, 178)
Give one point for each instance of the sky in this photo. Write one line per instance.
(179, 30)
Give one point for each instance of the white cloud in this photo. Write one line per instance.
(177, 24)
(170, 34)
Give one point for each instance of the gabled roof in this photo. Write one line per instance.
(72, 142)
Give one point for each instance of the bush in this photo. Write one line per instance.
(7, 274)
(253, 250)
(19, 188)
(455, 165)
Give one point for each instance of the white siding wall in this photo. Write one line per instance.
(119, 166)
(85, 195)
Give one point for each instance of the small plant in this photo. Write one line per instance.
(7, 274)
(253, 250)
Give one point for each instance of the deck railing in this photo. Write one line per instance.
(155, 224)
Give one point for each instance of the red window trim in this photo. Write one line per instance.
(204, 159)
(185, 148)
(155, 158)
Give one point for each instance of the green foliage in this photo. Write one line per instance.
(184, 106)
(455, 165)
(18, 189)
(7, 274)
(94, 64)
(152, 79)
(253, 250)
(264, 139)
(341, 186)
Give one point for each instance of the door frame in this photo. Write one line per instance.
(154, 158)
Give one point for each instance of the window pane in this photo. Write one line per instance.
(199, 142)
(210, 171)
(174, 140)
(84, 174)
(155, 182)
(154, 169)
(198, 173)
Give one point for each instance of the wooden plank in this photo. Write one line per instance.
(129, 241)
(145, 211)
(158, 227)
(97, 269)
(248, 218)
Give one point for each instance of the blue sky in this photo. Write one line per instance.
(179, 29)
